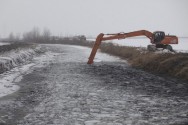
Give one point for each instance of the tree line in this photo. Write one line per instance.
(41, 37)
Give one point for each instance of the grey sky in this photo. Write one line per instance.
(90, 17)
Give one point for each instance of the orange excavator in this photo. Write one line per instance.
(158, 39)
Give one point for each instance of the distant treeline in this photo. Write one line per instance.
(35, 36)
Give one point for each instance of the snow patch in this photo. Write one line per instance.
(9, 78)
(92, 122)
(3, 43)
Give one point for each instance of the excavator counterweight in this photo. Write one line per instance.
(158, 39)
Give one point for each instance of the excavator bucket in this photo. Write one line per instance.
(95, 48)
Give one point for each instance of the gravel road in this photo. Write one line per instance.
(67, 91)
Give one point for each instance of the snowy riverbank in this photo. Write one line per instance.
(16, 63)
(8, 61)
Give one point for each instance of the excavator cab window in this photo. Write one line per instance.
(158, 36)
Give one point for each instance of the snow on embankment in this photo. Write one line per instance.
(16, 57)
(13, 64)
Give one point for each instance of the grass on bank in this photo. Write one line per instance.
(174, 64)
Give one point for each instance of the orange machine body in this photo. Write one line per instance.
(170, 40)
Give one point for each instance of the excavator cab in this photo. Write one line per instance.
(158, 36)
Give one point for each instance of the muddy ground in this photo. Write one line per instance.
(67, 91)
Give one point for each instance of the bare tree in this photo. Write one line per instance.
(46, 35)
(11, 37)
(17, 37)
(32, 36)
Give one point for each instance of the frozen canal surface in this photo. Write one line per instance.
(67, 91)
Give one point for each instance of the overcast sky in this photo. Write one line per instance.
(91, 17)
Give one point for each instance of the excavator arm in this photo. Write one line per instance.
(155, 38)
(126, 35)
(103, 37)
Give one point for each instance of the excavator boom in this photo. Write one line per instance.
(155, 38)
